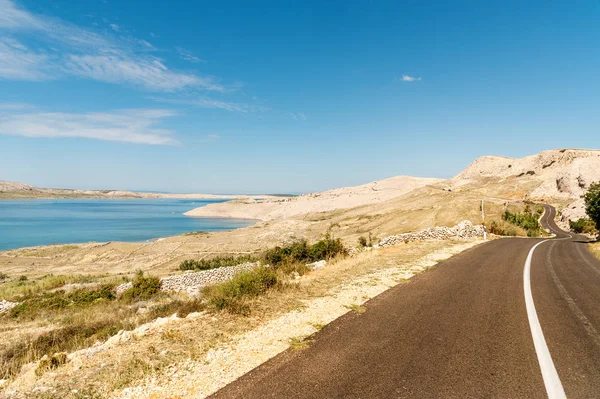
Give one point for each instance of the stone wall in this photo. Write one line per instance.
(463, 230)
(5, 306)
(193, 282)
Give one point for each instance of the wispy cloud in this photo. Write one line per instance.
(131, 126)
(17, 62)
(206, 102)
(297, 115)
(187, 55)
(85, 53)
(115, 27)
(408, 78)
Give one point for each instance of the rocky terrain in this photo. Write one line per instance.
(557, 175)
(405, 216)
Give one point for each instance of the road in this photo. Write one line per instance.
(461, 330)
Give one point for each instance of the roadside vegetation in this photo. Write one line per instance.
(592, 204)
(76, 315)
(528, 219)
(74, 312)
(213, 263)
(583, 225)
(237, 294)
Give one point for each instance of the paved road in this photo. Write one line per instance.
(461, 330)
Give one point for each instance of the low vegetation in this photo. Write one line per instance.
(79, 316)
(233, 295)
(143, 288)
(213, 263)
(368, 241)
(583, 225)
(501, 229)
(77, 311)
(236, 295)
(592, 204)
(528, 220)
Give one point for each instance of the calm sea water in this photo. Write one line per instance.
(26, 223)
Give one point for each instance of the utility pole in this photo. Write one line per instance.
(483, 221)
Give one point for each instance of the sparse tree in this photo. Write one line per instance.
(592, 203)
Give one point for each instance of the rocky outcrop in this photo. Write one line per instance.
(463, 230)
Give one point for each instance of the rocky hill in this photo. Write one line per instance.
(555, 175)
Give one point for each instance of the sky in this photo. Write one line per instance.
(287, 96)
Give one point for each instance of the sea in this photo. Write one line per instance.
(25, 223)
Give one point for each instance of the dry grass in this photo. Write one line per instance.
(191, 339)
(595, 248)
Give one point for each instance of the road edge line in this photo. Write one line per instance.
(552, 382)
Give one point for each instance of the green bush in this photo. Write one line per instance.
(301, 252)
(56, 300)
(143, 288)
(583, 225)
(233, 294)
(527, 221)
(213, 263)
(498, 229)
(592, 204)
(362, 241)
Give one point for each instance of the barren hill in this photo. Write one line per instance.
(559, 176)
(341, 198)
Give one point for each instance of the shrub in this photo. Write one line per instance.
(527, 221)
(498, 229)
(232, 295)
(56, 300)
(213, 263)
(582, 225)
(301, 252)
(143, 288)
(592, 203)
(362, 241)
(3, 276)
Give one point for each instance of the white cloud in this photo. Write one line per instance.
(15, 106)
(17, 62)
(187, 55)
(297, 115)
(150, 73)
(13, 17)
(115, 27)
(85, 53)
(132, 126)
(407, 78)
(206, 102)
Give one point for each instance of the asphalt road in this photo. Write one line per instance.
(461, 330)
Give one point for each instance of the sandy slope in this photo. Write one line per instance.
(341, 198)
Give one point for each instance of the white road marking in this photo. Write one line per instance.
(554, 387)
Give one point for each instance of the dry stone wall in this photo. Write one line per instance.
(463, 230)
(193, 282)
(5, 306)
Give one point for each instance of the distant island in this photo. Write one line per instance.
(16, 190)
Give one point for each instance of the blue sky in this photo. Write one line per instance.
(287, 96)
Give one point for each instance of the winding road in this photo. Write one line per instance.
(502, 320)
